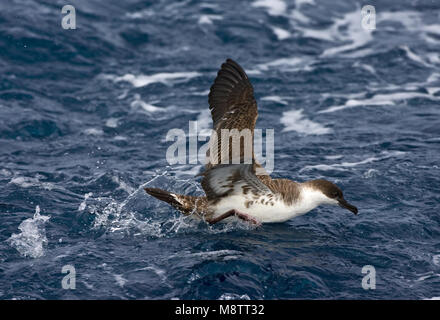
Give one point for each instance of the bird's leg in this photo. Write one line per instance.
(233, 212)
(225, 215)
(246, 217)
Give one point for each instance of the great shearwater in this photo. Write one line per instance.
(244, 189)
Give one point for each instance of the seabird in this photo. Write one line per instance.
(242, 189)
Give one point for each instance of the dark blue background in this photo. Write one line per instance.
(80, 144)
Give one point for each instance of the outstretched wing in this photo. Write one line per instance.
(233, 179)
(233, 106)
(232, 91)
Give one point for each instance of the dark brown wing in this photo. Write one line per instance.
(232, 90)
(233, 106)
(233, 179)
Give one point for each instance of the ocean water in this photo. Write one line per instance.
(84, 115)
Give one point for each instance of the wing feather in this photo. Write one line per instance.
(233, 106)
(226, 180)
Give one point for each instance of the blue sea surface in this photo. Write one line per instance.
(84, 116)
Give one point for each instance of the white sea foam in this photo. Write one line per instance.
(344, 165)
(28, 182)
(383, 99)
(435, 76)
(432, 90)
(409, 19)
(209, 18)
(83, 204)
(30, 242)
(201, 93)
(370, 173)
(210, 255)
(140, 14)
(165, 78)
(123, 95)
(273, 7)
(294, 120)
(120, 138)
(348, 28)
(334, 157)
(436, 259)
(187, 170)
(112, 122)
(427, 30)
(120, 280)
(123, 185)
(411, 55)
(158, 271)
(139, 104)
(433, 57)
(5, 172)
(234, 296)
(277, 99)
(289, 64)
(214, 254)
(209, 5)
(93, 132)
(281, 34)
(380, 100)
(365, 66)
(301, 2)
(427, 275)
(413, 22)
(297, 15)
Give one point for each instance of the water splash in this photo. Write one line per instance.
(30, 242)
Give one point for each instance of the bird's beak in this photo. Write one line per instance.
(344, 204)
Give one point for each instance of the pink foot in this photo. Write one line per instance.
(236, 213)
(246, 217)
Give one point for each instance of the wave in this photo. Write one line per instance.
(206, 255)
(294, 120)
(344, 165)
(273, 7)
(139, 104)
(278, 99)
(414, 57)
(412, 21)
(209, 18)
(234, 296)
(145, 80)
(380, 100)
(287, 64)
(28, 182)
(280, 33)
(348, 30)
(352, 32)
(112, 122)
(93, 132)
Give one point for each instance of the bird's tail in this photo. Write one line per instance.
(185, 204)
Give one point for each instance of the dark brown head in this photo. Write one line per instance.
(331, 191)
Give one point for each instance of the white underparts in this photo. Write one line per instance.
(265, 212)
